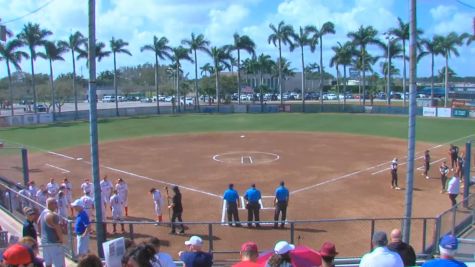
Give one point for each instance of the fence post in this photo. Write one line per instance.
(467, 178)
(131, 231)
(292, 232)
(371, 235)
(424, 234)
(71, 239)
(210, 235)
(26, 170)
(454, 213)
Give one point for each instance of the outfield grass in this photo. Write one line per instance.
(71, 134)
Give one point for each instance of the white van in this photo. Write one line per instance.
(108, 98)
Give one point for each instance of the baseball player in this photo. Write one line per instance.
(394, 175)
(444, 171)
(158, 202)
(117, 215)
(23, 195)
(53, 187)
(460, 165)
(123, 191)
(62, 208)
(453, 153)
(88, 204)
(33, 189)
(106, 192)
(426, 164)
(41, 197)
(88, 187)
(68, 192)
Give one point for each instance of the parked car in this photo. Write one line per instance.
(145, 100)
(41, 108)
(168, 98)
(108, 98)
(187, 101)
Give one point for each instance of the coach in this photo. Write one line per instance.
(232, 200)
(252, 197)
(281, 201)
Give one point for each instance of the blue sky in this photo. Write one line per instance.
(137, 21)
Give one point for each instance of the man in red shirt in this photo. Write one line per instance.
(249, 254)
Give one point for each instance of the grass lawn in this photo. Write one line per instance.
(71, 134)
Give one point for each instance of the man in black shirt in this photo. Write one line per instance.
(28, 224)
(177, 209)
(404, 250)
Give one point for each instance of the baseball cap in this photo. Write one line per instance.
(77, 203)
(449, 242)
(29, 211)
(249, 247)
(328, 250)
(194, 241)
(380, 238)
(18, 254)
(283, 247)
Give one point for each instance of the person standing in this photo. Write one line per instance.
(88, 187)
(117, 207)
(33, 189)
(123, 192)
(177, 210)
(448, 246)
(460, 166)
(453, 154)
(29, 224)
(23, 196)
(53, 188)
(406, 251)
(394, 174)
(106, 192)
(426, 164)
(41, 197)
(281, 202)
(51, 235)
(195, 256)
(68, 191)
(453, 189)
(158, 203)
(252, 197)
(81, 228)
(249, 254)
(328, 253)
(164, 259)
(381, 256)
(443, 170)
(231, 197)
(88, 204)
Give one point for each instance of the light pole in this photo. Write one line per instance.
(389, 38)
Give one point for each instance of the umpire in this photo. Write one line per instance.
(232, 201)
(252, 197)
(281, 202)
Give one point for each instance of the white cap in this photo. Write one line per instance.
(283, 247)
(77, 203)
(194, 241)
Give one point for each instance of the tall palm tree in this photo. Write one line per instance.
(344, 54)
(395, 51)
(262, 65)
(196, 43)
(362, 38)
(432, 48)
(52, 53)
(221, 58)
(301, 40)
(363, 62)
(402, 34)
(327, 28)
(75, 41)
(33, 36)
(207, 69)
(448, 46)
(100, 52)
(179, 54)
(117, 47)
(245, 43)
(281, 35)
(9, 53)
(161, 50)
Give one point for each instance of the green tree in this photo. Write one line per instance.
(9, 52)
(317, 36)
(221, 58)
(343, 56)
(74, 43)
(245, 43)
(33, 36)
(391, 50)
(52, 53)
(196, 43)
(117, 46)
(281, 35)
(301, 40)
(179, 54)
(100, 52)
(362, 38)
(432, 48)
(402, 34)
(161, 50)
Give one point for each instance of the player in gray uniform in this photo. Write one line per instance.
(394, 177)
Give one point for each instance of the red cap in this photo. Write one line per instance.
(17, 254)
(328, 250)
(249, 246)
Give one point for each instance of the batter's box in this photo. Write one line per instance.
(246, 157)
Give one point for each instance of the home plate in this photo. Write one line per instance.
(79, 159)
(242, 136)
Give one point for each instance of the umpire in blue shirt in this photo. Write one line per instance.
(252, 197)
(281, 201)
(232, 201)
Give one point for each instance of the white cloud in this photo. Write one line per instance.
(442, 12)
(224, 22)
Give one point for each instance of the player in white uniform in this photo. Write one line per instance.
(33, 189)
(68, 192)
(87, 187)
(106, 192)
(42, 196)
(52, 187)
(23, 197)
(158, 202)
(88, 204)
(123, 191)
(117, 214)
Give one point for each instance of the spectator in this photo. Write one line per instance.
(51, 235)
(448, 245)
(328, 253)
(81, 227)
(281, 257)
(90, 260)
(164, 259)
(252, 197)
(28, 226)
(195, 257)
(453, 189)
(33, 245)
(232, 201)
(140, 256)
(404, 250)
(381, 256)
(20, 255)
(249, 254)
(281, 202)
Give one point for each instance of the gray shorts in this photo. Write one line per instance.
(53, 254)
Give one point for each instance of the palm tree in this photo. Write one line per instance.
(395, 51)
(281, 35)
(245, 43)
(9, 53)
(362, 38)
(52, 53)
(448, 45)
(196, 43)
(262, 65)
(117, 46)
(402, 34)
(179, 53)
(327, 28)
(431, 48)
(363, 62)
(301, 40)
(33, 36)
(161, 50)
(100, 53)
(207, 69)
(74, 43)
(221, 58)
(343, 56)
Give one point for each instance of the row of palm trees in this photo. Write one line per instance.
(352, 53)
